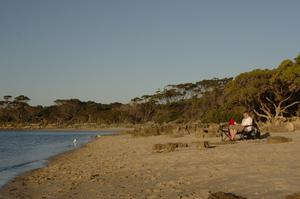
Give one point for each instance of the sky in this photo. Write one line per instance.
(114, 50)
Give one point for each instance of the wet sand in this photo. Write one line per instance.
(121, 166)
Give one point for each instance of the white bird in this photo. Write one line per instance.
(75, 142)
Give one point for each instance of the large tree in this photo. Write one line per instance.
(281, 94)
(271, 94)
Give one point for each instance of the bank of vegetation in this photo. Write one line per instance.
(271, 94)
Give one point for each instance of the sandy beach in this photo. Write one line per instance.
(125, 167)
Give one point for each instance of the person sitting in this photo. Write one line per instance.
(244, 126)
(231, 122)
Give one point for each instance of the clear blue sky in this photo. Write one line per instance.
(111, 50)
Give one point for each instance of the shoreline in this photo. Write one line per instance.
(56, 157)
(48, 161)
(17, 180)
(125, 167)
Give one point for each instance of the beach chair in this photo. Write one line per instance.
(253, 133)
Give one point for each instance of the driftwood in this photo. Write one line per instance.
(169, 147)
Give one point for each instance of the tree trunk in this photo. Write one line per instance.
(276, 111)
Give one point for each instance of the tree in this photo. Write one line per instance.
(22, 98)
(7, 101)
(136, 100)
(7, 98)
(271, 94)
(281, 93)
(297, 59)
(2, 104)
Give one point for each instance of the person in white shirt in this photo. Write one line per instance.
(244, 126)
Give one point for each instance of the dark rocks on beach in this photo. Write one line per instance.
(94, 176)
(223, 195)
(168, 147)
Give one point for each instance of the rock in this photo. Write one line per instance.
(168, 147)
(94, 176)
(296, 122)
(290, 126)
(213, 128)
(279, 126)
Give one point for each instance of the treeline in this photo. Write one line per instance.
(271, 94)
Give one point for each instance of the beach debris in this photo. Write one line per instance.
(206, 144)
(223, 195)
(168, 147)
(278, 139)
(94, 176)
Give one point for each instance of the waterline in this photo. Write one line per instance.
(24, 151)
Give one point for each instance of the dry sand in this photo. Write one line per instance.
(114, 167)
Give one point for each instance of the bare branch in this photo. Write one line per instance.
(290, 105)
(261, 115)
(284, 100)
(271, 102)
(265, 108)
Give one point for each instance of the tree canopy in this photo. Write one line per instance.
(271, 95)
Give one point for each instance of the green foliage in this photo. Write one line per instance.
(7, 97)
(288, 74)
(269, 93)
(297, 59)
(170, 112)
(272, 94)
(223, 114)
(22, 98)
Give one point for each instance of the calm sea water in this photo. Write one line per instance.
(24, 151)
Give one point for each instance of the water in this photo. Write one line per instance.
(25, 151)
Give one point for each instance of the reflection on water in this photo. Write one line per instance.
(24, 151)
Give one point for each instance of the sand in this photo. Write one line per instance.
(124, 167)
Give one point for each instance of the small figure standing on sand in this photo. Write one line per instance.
(244, 126)
(75, 142)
